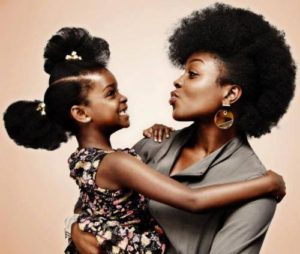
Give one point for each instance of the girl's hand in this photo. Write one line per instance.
(278, 190)
(158, 132)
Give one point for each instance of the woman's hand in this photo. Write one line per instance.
(277, 184)
(85, 243)
(158, 132)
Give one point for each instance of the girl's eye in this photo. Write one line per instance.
(111, 93)
(192, 74)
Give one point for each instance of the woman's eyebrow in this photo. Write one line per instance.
(196, 60)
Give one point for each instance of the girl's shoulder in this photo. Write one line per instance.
(89, 158)
(84, 163)
(85, 155)
(130, 151)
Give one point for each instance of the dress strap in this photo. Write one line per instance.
(83, 164)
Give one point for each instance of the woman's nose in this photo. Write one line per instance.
(178, 82)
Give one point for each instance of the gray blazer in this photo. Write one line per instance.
(236, 229)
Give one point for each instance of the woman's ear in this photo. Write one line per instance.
(79, 114)
(232, 93)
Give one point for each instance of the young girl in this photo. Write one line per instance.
(83, 100)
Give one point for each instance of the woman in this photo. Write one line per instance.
(238, 81)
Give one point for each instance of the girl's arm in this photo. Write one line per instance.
(158, 132)
(128, 172)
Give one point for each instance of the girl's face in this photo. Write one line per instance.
(106, 105)
(198, 95)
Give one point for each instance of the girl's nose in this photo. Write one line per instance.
(123, 98)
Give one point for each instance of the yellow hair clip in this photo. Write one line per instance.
(41, 108)
(73, 56)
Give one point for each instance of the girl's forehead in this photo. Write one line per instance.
(102, 78)
(101, 83)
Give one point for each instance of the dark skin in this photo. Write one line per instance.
(158, 132)
(198, 96)
(105, 114)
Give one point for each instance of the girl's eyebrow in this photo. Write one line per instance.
(112, 85)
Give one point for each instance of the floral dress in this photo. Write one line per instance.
(118, 219)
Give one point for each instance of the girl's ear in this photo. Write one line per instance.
(232, 93)
(79, 114)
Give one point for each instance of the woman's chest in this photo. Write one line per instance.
(185, 159)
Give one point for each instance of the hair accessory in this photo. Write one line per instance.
(73, 56)
(224, 117)
(41, 108)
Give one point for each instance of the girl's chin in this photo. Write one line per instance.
(124, 121)
(120, 126)
(125, 124)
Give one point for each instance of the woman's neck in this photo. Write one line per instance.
(208, 137)
(90, 137)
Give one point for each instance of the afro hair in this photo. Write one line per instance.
(255, 55)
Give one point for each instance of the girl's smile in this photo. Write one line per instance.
(106, 106)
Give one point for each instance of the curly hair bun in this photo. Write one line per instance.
(29, 128)
(92, 50)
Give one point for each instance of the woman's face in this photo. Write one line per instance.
(198, 95)
(106, 105)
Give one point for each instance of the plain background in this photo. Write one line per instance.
(36, 191)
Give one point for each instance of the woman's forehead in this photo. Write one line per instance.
(202, 57)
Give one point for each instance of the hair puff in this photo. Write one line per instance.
(92, 50)
(29, 128)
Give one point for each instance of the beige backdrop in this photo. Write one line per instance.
(36, 192)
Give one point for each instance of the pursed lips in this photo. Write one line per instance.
(174, 97)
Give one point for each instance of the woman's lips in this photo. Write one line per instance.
(174, 98)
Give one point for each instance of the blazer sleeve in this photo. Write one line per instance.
(146, 148)
(245, 226)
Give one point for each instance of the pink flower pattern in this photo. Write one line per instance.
(119, 219)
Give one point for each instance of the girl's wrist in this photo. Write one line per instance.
(271, 184)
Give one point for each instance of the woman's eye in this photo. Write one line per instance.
(192, 74)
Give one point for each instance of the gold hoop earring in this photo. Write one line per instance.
(224, 117)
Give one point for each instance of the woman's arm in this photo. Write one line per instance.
(128, 172)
